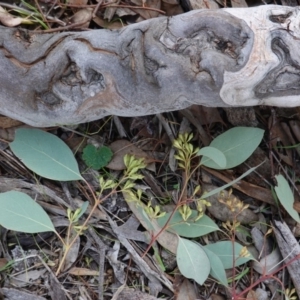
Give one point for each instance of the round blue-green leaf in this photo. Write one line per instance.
(189, 228)
(45, 154)
(286, 197)
(237, 144)
(21, 213)
(217, 269)
(224, 251)
(214, 154)
(192, 261)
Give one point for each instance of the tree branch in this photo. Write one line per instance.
(228, 57)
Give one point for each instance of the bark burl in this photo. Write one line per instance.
(228, 57)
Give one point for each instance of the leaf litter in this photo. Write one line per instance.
(127, 265)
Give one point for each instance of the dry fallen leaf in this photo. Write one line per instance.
(251, 295)
(73, 252)
(254, 191)
(269, 263)
(167, 239)
(83, 272)
(115, 24)
(186, 291)
(206, 115)
(130, 294)
(145, 13)
(9, 20)
(77, 2)
(295, 127)
(221, 212)
(10, 293)
(239, 3)
(201, 4)
(83, 16)
(3, 262)
(280, 136)
(6, 122)
(122, 147)
(171, 9)
(27, 277)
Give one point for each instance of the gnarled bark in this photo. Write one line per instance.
(228, 57)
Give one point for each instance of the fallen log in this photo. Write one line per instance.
(226, 57)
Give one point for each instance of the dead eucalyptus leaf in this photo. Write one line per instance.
(130, 294)
(280, 135)
(269, 263)
(83, 16)
(6, 122)
(167, 239)
(9, 20)
(27, 277)
(3, 262)
(114, 24)
(262, 243)
(83, 272)
(118, 266)
(147, 14)
(261, 294)
(239, 3)
(221, 212)
(10, 293)
(122, 147)
(77, 2)
(186, 291)
(202, 4)
(73, 251)
(251, 295)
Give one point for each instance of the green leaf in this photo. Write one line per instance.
(225, 186)
(82, 209)
(189, 228)
(45, 154)
(237, 144)
(192, 261)
(7, 265)
(217, 269)
(240, 275)
(286, 197)
(21, 213)
(224, 251)
(96, 158)
(215, 155)
(144, 215)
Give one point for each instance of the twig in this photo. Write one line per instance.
(102, 250)
(61, 28)
(115, 5)
(152, 276)
(96, 8)
(41, 13)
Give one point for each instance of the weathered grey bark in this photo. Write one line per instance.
(229, 57)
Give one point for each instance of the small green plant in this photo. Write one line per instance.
(194, 260)
(27, 15)
(290, 294)
(96, 158)
(48, 156)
